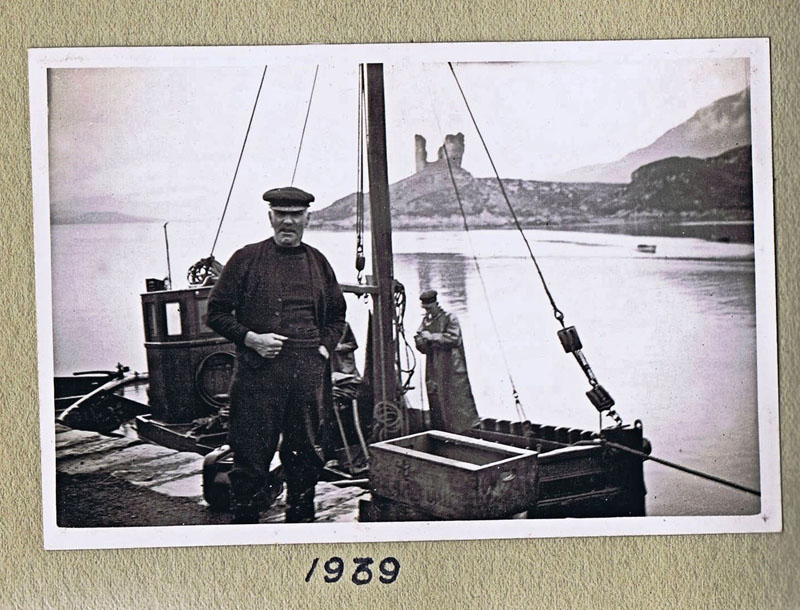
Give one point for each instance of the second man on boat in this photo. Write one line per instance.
(450, 397)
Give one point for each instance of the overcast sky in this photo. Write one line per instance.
(165, 141)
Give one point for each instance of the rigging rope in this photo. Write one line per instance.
(238, 163)
(305, 123)
(568, 336)
(515, 393)
(517, 402)
(556, 311)
(360, 260)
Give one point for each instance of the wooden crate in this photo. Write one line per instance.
(455, 477)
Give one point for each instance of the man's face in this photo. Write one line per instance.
(288, 226)
(429, 307)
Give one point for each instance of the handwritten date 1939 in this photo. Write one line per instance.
(334, 567)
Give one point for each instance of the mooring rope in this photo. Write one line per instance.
(556, 311)
(646, 456)
(238, 163)
(697, 473)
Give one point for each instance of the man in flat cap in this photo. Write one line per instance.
(280, 303)
(446, 381)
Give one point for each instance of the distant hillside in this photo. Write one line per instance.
(720, 187)
(714, 129)
(674, 189)
(64, 217)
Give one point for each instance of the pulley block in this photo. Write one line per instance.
(571, 343)
(598, 395)
(600, 398)
(570, 340)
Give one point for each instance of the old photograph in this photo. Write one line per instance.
(386, 292)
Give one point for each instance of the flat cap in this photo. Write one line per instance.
(429, 296)
(288, 199)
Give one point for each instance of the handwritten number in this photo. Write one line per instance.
(334, 570)
(389, 568)
(363, 574)
(335, 567)
(313, 567)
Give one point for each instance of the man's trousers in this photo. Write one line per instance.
(278, 399)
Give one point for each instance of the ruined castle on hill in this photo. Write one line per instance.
(453, 146)
(666, 191)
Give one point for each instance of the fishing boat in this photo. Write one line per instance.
(497, 469)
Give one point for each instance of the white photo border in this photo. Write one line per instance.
(756, 49)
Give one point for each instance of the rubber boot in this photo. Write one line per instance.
(300, 507)
(244, 511)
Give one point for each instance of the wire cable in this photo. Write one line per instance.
(515, 393)
(557, 312)
(646, 456)
(238, 163)
(305, 123)
(360, 260)
(517, 402)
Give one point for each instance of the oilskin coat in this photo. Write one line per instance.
(449, 392)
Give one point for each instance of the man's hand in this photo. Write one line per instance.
(324, 352)
(425, 334)
(267, 345)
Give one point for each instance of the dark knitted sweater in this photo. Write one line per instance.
(248, 297)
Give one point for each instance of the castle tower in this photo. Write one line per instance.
(453, 146)
(420, 153)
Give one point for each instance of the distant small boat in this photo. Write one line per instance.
(648, 248)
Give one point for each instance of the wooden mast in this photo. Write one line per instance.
(384, 349)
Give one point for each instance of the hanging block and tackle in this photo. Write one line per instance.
(598, 395)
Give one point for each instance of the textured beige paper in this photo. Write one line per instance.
(724, 571)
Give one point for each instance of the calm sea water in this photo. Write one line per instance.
(670, 335)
